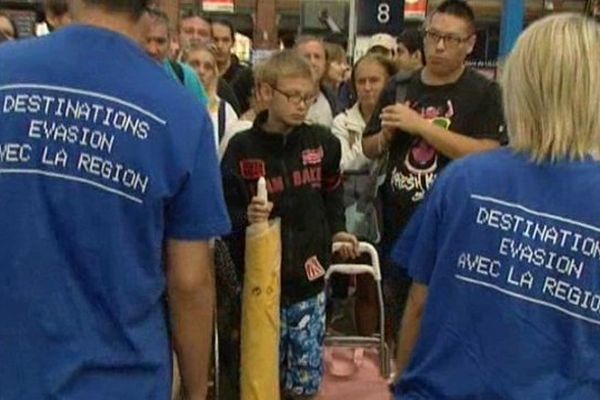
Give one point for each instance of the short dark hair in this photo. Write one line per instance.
(134, 7)
(56, 7)
(337, 38)
(192, 13)
(159, 16)
(412, 39)
(458, 8)
(227, 23)
(335, 52)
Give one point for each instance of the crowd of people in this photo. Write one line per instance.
(131, 148)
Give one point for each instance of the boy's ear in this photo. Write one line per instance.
(264, 92)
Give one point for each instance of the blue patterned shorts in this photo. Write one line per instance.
(301, 346)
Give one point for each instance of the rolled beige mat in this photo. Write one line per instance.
(260, 313)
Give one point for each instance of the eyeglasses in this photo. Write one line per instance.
(297, 99)
(450, 40)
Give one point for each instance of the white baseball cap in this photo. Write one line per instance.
(384, 40)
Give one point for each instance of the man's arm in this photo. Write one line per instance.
(375, 146)
(191, 297)
(399, 118)
(411, 326)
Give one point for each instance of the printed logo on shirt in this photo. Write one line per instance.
(69, 134)
(314, 269)
(420, 167)
(252, 168)
(312, 156)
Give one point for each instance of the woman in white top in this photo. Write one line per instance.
(202, 59)
(369, 77)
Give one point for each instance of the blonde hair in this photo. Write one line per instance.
(258, 71)
(207, 48)
(284, 64)
(551, 85)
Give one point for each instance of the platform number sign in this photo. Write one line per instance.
(376, 16)
(383, 13)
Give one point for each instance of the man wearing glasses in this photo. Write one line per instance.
(442, 112)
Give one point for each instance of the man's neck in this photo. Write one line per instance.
(224, 67)
(432, 79)
(275, 126)
(116, 22)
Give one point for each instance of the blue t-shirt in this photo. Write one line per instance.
(510, 252)
(102, 157)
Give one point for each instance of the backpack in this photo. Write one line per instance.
(402, 80)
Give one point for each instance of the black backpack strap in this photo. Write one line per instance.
(178, 71)
(402, 81)
(331, 98)
(222, 118)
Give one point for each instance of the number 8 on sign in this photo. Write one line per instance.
(383, 13)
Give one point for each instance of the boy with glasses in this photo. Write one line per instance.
(301, 164)
(442, 112)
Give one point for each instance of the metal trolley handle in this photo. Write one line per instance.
(351, 269)
(375, 271)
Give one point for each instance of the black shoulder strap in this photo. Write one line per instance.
(222, 119)
(178, 71)
(402, 81)
(331, 99)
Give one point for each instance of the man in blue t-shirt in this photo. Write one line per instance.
(505, 250)
(110, 191)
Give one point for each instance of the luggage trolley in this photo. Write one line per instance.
(377, 340)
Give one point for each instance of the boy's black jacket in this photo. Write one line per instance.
(304, 182)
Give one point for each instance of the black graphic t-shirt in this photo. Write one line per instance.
(471, 106)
